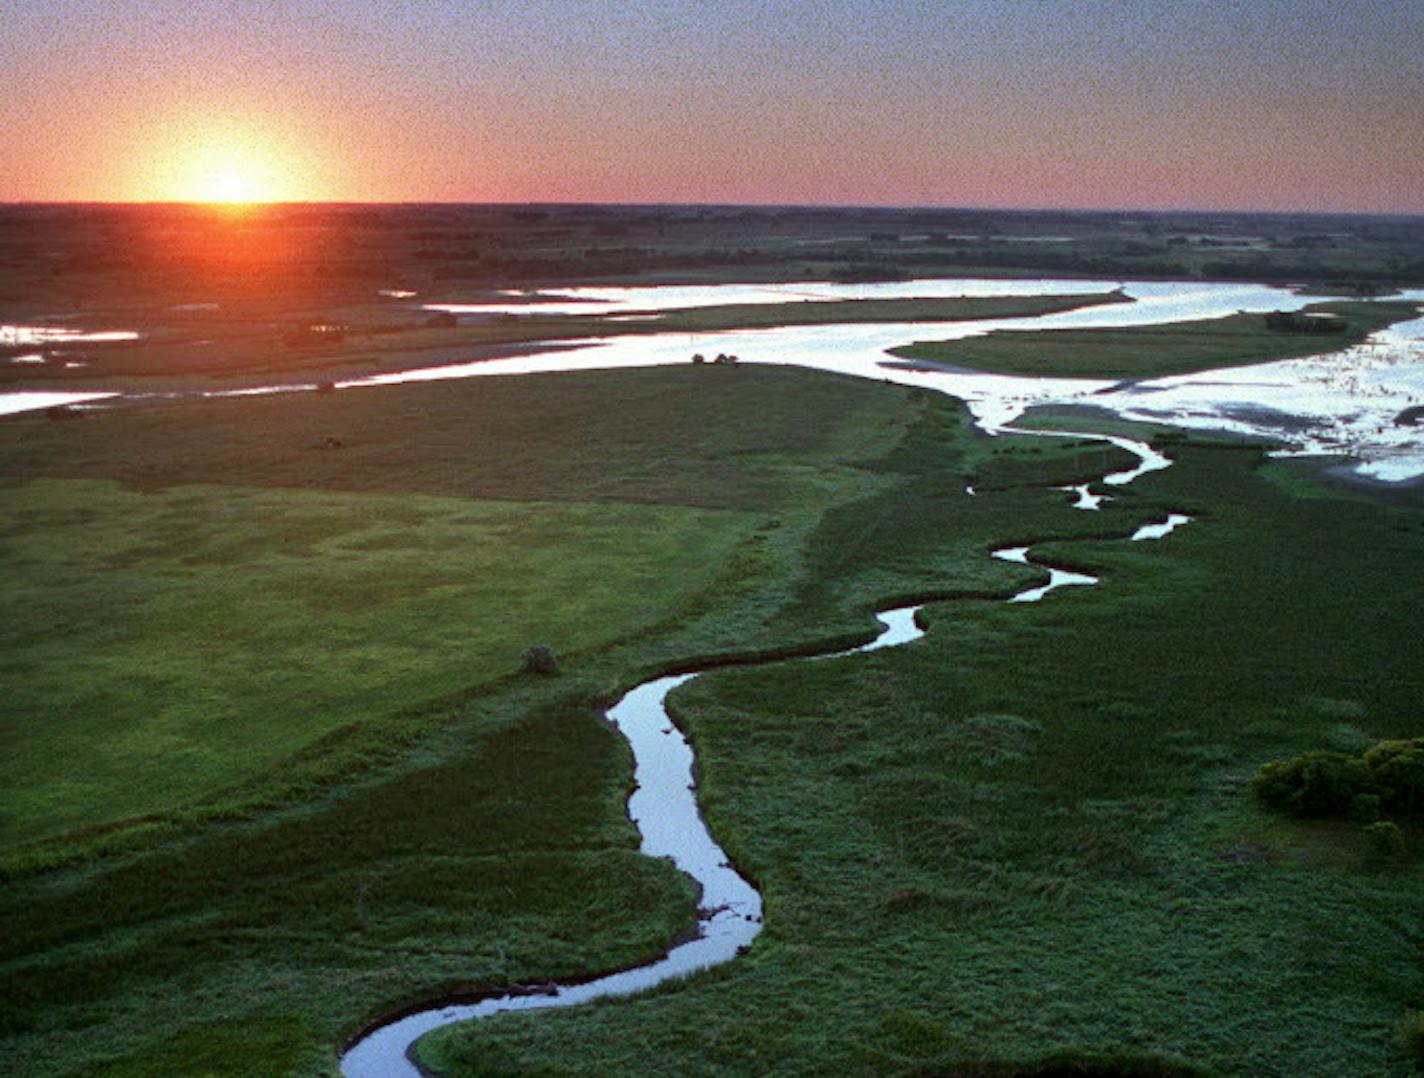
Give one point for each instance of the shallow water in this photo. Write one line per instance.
(29, 400)
(45, 334)
(596, 299)
(1086, 498)
(1057, 578)
(1343, 403)
(663, 806)
(1161, 528)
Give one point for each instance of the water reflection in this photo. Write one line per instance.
(22, 335)
(1342, 403)
(27, 400)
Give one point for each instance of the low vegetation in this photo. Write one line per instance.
(1032, 832)
(1154, 351)
(1022, 844)
(1385, 779)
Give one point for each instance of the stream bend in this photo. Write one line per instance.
(664, 808)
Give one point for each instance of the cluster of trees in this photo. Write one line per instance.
(1383, 783)
(1264, 267)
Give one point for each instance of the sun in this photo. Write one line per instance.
(204, 160)
(228, 184)
(228, 173)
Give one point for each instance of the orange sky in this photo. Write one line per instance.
(1272, 105)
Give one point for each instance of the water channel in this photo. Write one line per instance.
(1342, 403)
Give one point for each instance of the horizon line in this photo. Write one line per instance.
(239, 207)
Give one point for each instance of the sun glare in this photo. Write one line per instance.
(224, 185)
(228, 174)
(226, 167)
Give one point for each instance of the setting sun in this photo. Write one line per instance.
(225, 185)
(228, 173)
(229, 164)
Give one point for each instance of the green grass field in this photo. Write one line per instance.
(305, 679)
(1026, 834)
(1153, 351)
(189, 638)
(759, 316)
(233, 594)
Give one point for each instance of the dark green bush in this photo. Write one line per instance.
(1388, 780)
(1385, 840)
(1367, 808)
(539, 659)
(1397, 768)
(1314, 784)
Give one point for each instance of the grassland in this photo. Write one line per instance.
(447, 820)
(192, 637)
(374, 336)
(1024, 834)
(1153, 351)
(848, 312)
(207, 591)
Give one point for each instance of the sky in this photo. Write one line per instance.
(1314, 105)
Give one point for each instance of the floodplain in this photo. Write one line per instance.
(274, 770)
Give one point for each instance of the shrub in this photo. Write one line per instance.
(1314, 784)
(538, 659)
(1367, 808)
(1409, 1035)
(1385, 840)
(1397, 768)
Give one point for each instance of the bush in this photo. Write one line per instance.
(538, 659)
(1367, 808)
(1386, 841)
(1314, 784)
(1397, 768)
(1409, 1035)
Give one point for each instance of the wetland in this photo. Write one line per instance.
(274, 774)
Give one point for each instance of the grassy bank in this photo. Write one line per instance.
(1021, 835)
(465, 827)
(1154, 351)
(1027, 835)
(849, 312)
(372, 339)
(206, 590)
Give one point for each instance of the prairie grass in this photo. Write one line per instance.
(1154, 351)
(1028, 838)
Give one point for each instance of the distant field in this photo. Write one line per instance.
(378, 335)
(1153, 351)
(241, 591)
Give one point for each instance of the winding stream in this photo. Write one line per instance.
(664, 808)
(1344, 402)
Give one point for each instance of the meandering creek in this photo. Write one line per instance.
(663, 806)
(1341, 403)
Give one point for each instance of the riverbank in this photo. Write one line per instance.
(1145, 352)
(1026, 837)
(337, 869)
